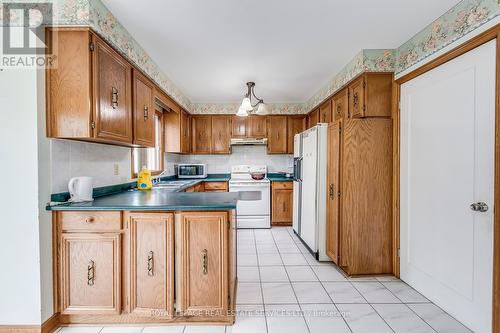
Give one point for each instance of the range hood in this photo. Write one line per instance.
(248, 141)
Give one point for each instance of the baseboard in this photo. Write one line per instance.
(48, 326)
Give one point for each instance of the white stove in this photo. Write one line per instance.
(255, 213)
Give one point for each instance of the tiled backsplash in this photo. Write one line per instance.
(252, 155)
(74, 159)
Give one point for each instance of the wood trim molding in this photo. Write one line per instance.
(48, 326)
(490, 34)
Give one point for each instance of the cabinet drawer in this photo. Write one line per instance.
(90, 221)
(283, 185)
(212, 186)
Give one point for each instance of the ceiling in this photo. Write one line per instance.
(209, 49)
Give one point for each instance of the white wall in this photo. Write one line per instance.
(252, 155)
(20, 300)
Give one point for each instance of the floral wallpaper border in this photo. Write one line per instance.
(457, 22)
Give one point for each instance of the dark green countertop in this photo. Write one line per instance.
(279, 177)
(161, 200)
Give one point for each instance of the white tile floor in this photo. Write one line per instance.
(282, 288)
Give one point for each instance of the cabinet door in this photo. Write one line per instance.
(239, 127)
(296, 124)
(282, 201)
(313, 118)
(325, 112)
(90, 273)
(144, 120)
(203, 274)
(151, 267)
(201, 127)
(221, 134)
(112, 78)
(340, 104)
(333, 203)
(257, 126)
(357, 98)
(276, 134)
(185, 132)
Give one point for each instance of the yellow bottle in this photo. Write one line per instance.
(144, 179)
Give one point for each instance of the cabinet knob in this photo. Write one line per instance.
(89, 219)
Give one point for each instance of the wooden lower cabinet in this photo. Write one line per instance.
(90, 273)
(282, 203)
(151, 263)
(215, 186)
(121, 267)
(359, 229)
(202, 263)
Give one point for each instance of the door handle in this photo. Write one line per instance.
(479, 207)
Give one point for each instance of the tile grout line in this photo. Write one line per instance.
(260, 280)
(376, 312)
(290, 282)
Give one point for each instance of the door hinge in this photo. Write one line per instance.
(92, 124)
(91, 46)
(364, 84)
(364, 108)
(338, 194)
(399, 105)
(399, 253)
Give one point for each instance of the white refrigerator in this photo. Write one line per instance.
(310, 189)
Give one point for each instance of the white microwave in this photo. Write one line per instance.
(191, 170)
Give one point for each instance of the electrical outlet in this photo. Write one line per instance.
(116, 169)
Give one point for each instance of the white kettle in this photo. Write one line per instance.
(80, 189)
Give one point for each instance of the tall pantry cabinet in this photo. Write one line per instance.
(359, 217)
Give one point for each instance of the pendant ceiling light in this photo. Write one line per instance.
(247, 107)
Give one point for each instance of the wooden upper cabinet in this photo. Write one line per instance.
(69, 84)
(277, 134)
(152, 263)
(203, 262)
(144, 111)
(239, 127)
(333, 199)
(371, 96)
(340, 104)
(296, 124)
(325, 112)
(185, 132)
(90, 273)
(313, 118)
(112, 77)
(257, 126)
(201, 127)
(221, 134)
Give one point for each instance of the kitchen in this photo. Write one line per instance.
(253, 189)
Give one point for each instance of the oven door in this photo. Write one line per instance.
(252, 207)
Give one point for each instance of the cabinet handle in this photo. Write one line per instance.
(146, 113)
(204, 261)
(114, 97)
(150, 263)
(332, 191)
(90, 273)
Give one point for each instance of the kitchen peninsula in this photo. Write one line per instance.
(142, 257)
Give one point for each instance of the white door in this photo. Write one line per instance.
(309, 188)
(447, 155)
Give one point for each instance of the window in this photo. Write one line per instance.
(152, 158)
